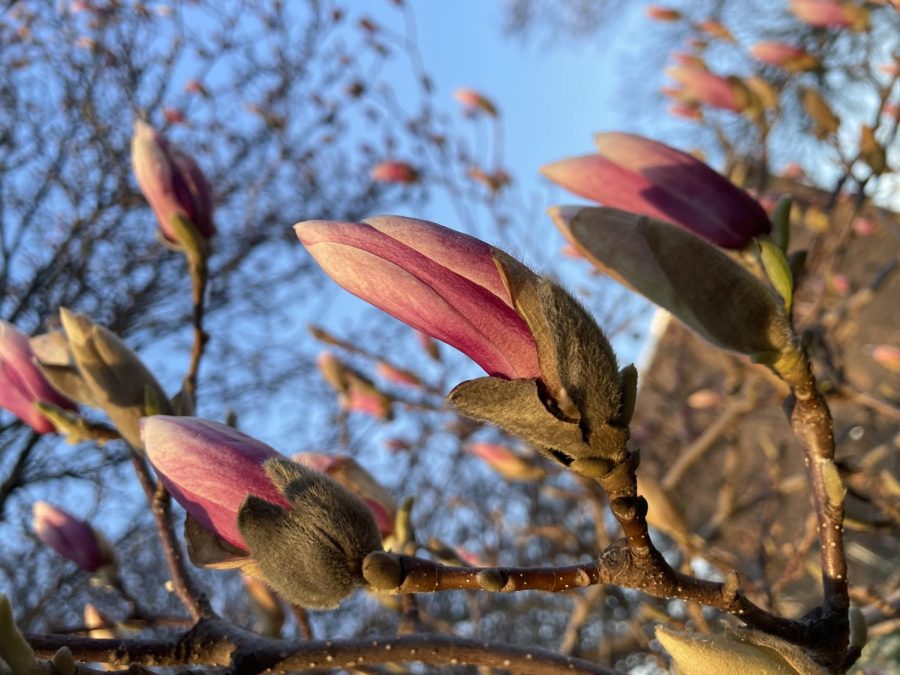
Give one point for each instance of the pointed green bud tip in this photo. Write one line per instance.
(859, 631)
(777, 270)
(151, 401)
(382, 571)
(781, 224)
(492, 580)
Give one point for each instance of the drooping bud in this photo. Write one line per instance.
(71, 537)
(172, 183)
(22, 385)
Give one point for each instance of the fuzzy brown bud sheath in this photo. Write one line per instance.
(307, 536)
(553, 376)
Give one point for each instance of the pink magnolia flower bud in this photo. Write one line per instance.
(660, 13)
(715, 29)
(210, 468)
(171, 182)
(356, 392)
(783, 55)
(71, 537)
(392, 171)
(392, 373)
(507, 463)
(698, 85)
(22, 384)
(643, 176)
(830, 14)
(441, 282)
(474, 102)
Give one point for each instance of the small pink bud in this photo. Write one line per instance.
(643, 176)
(704, 398)
(397, 375)
(660, 13)
(507, 463)
(888, 356)
(839, 283)
(474, 102)
(69, 536)
(392, 171)
(715, 29)
(864, 227)
(22, 384)
(210, 468)
(403, 265)
(701, 86)
(783, 55)
(686, 111)
(171, 182)
(174, 116)
(793, 171)
(830, 14)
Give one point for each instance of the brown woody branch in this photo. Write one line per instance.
(214, 642)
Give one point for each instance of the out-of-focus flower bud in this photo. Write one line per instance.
(474, 102)
(171, 182)
(507, 463)
(888, 356)
(357, 392)
(306, 534)
(701, 86)
(680, 272)
(71, 537)
(715, 29)
(553, 373)
(660, 13)
(872, 151)
(783, 55)
(831, 14)
(703, 399)
(111, 374)
(393, 171)
(637, 174)
(22, 384)
(825, 122)
(349, 474)
(686, 111)
(429, 345)
(100, 626)
(392, 373)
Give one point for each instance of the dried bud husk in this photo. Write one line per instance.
(825, 122)
(574, 409)
(312, 553)
(117, 380)
(871, 151)
(743, 651)
(683, 274)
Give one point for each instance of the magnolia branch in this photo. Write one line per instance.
(214, 642)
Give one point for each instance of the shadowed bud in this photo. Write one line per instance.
(825, 122)
(402, 265)
(696, 282)
(474, 103)
(349, 474)
(783, 55)
(22, 384)
(171, 182)
(306, 534)
(830, 14)
(392, 171)
(643, 176)
(71, 537)
(113, 375)
(507, 463)
(266, 607)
